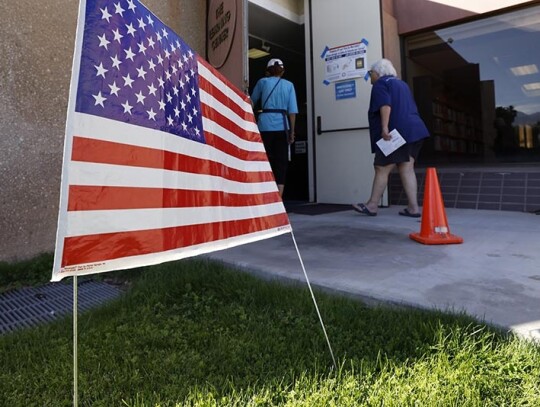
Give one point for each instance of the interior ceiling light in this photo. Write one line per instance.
(524, 70)
(255, 53)
(532, 86)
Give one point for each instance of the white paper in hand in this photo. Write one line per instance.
(389, 146)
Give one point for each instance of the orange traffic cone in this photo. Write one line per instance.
(434, 228)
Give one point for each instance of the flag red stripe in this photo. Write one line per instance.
(228, 124)
(210, 88)
(107, 152)
(223, 145)
(92, 198)
(109, 246)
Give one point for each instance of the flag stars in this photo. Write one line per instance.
(117, 35)
(101, 71)
(118, 9)
(140, 97)
(141, 73)
(114, 88)
(130, 29)
(103, 42)
(105, 14)
(148, 73)
(116, 62)
(142, 24)
(151, 114)
(99, 99)
(152, 89)
(127, 81)
(142, 48)
(127, 107)
(129, 54)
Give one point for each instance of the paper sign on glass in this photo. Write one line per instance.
(389, 146)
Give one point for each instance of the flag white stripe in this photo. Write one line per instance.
(112, 221)
(82, 173)
(118, 132)
(226, 90)
(210, 100)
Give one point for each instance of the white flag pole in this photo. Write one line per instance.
(75, 365)
(314, 301)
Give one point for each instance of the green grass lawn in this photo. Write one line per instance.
(26, 273)
(194, 333)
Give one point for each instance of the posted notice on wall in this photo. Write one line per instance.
(345, 62)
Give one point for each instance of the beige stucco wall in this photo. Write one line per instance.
(36, 45)
(391, 44)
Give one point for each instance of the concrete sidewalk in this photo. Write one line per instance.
(494, 275)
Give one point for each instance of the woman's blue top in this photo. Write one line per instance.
(393, 92)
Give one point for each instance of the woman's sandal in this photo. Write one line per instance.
(361, 208)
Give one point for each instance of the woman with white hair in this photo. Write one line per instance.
(392, 107)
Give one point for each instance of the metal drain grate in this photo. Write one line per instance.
(28, 307)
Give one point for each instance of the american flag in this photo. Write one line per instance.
(162, 159)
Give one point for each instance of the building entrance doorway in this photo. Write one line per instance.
(274, 36)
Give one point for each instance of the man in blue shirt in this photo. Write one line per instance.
(392, 107)
(277, 117)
